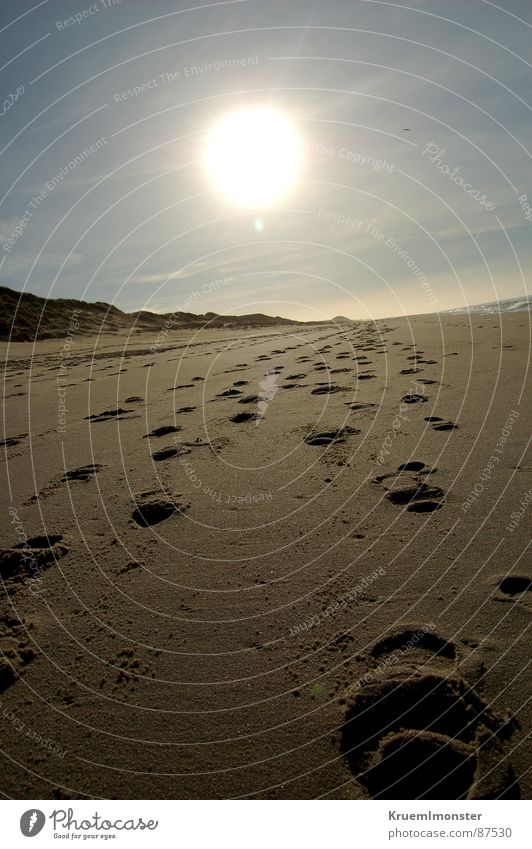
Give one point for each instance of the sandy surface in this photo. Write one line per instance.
(267, 607)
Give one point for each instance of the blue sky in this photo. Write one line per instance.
(116, 103)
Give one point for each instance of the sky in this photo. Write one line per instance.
(415, 192)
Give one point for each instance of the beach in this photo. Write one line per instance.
(235, 562)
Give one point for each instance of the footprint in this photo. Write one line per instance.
(413, 398)
(162, 431)
(110, 415)
(240, 418)
(416, 734)
(445, 426)
(514, 585)
(296, 376)
(328, 389)
(133, 398)
(238, 383)
(407, 488)
(329, 437)
(355, 407)
(84, 473)
(415, 494)
(155, 511)
(232, 393)
(410, 370)
(186, 410)
(12, 440)
(412, 466)
(18, 563)
(171, 451)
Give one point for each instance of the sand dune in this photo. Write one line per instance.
(25, 317)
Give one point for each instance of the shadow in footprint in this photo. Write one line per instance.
(240, 418)
(162, 431)
(413, 398)
(12, 440)
(428, 506)
(412, 466)
(84, 473)
(232, 393)
(328, 437)
(401, 495)
(111, 415)
(328, 389)
(412, 640)
(168, 453)
(515, 584)
(421, 765)
(153, 512)
(414, 735)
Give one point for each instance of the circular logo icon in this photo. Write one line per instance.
(32, 822)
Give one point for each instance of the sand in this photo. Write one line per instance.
(277, 563)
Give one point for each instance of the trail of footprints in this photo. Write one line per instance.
(385, 732)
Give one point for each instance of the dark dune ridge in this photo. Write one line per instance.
(25, 317)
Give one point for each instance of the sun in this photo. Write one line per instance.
(253, 156)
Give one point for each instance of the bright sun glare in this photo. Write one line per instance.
(253, 156)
